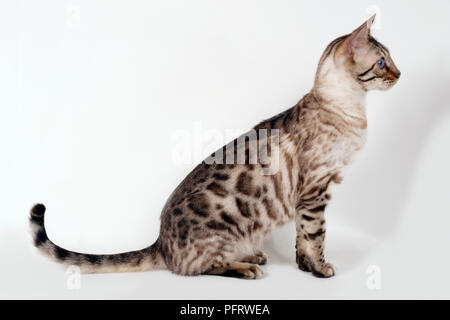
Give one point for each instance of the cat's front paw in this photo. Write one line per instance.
(318, 269)
(304, 262)
(324, 270)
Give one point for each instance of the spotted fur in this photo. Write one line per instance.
(217, 218)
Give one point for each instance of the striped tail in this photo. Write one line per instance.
(149, 258)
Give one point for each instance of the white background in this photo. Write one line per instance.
(92, 93)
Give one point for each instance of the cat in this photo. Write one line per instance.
(216, 220)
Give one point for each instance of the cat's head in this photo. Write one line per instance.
(367, 60)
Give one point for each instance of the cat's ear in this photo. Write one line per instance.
(359, 38)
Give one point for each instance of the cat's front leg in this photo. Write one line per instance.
(310, 226)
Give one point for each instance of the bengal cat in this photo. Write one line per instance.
(217, 218)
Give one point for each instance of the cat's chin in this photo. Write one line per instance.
(387, 86)
(383, 86)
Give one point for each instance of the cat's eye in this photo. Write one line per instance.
(381, 63)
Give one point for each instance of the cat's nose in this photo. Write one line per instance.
(397, 74)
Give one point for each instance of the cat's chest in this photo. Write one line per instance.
(340, 150)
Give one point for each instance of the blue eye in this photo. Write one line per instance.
(381, 63)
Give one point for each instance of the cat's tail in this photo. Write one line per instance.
(149, 258)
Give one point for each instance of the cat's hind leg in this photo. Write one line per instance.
(257, 258)
(235, 269)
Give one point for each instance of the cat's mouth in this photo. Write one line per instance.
(388, 83)
(392, 78)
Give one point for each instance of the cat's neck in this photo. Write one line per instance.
(336, 88)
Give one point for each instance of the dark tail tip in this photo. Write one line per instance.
(37, 213)
(37, 221)
(38, 210)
